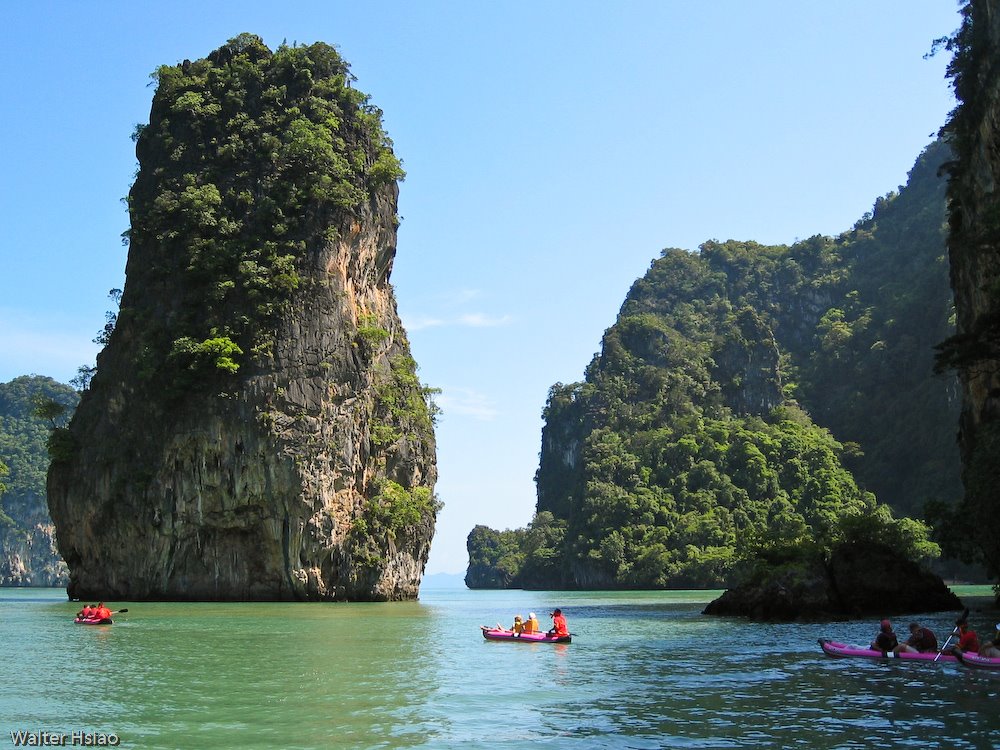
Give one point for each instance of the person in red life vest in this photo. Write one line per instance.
(921, 640)
(886, 639)
(85, 613)
(102, 613)
(558, 624)
(968, 641)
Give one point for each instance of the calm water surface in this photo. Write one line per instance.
(645, 670)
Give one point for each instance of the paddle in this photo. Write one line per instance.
(965, 615)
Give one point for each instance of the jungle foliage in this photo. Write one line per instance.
(32, 408)
(249, 159)
(749, 401)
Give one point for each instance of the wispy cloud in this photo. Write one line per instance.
(466, 320)
(420, 322)
(466, 402)
(481, 320)
(450, 312)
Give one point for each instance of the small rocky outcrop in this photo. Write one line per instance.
(858, 580)
(256, 429)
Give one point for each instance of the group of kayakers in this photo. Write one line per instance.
(530, 625)
(923, 640)
(94, 612)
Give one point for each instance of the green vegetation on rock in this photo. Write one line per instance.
(247, 152)
(33, 409)
(751, 401)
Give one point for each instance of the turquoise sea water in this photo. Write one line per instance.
(645, 670)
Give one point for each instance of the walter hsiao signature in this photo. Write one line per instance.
(45, 738)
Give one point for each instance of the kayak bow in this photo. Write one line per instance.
(977, 661)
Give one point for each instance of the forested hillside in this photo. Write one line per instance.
(750, 398)
(27, 551)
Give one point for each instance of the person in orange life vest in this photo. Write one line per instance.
(531, 624)
(967, 639)
(86, 612)
(921, 640)
(558, 624)
(886, 639)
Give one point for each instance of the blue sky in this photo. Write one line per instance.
(552, 150)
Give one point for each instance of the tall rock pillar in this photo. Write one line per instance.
(256, 429)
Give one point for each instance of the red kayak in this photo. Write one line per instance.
(493, 634)
(93, 620)
(832, 648)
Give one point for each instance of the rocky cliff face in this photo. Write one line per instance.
(255, 429)
(31, 558)
(974, 252)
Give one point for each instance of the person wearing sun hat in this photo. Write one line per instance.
(886, 639)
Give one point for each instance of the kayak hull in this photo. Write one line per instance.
(93, 621)
(843, 650)
(492, 634)
(978, 662)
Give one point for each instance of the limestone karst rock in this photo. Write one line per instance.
(974, 255)
(256, 429)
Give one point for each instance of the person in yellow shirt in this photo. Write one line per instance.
(516, 628)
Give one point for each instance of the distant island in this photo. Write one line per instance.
(443, 581)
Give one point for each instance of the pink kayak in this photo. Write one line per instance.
(492, 634)
(93, 620)
(977, 661)
(832, 648)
